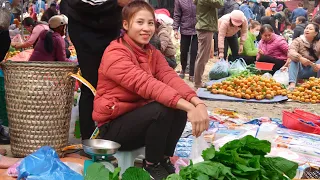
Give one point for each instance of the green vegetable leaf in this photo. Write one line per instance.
(134, 173)
(115, 174)
(174, 177)
(97, 171)
(281, 165)
(209, 153)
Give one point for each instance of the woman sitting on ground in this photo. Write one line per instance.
(141, 100)
(35, 28)
(304, 53)
(301, 24)
(272, 48)
(250, 50)
(51, 45)
(229, 26)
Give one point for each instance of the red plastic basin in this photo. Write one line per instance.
(264, 66)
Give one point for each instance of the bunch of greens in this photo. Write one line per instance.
(98, 171)
(242, 159)
(252, 68)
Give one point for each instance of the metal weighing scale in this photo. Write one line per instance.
(99, 150)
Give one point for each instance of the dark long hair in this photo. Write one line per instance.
(28, 21)
(312, 52)
(48, 41)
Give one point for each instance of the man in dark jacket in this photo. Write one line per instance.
(50, 12)
(258, 10)
(228, 7)
(92, 26)
(301, 24)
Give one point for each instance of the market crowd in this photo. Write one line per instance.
(125, 50)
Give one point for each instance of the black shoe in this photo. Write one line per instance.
(166, 163)
(182, 74)
(156, 171)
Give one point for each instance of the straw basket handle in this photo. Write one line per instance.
(93, 90)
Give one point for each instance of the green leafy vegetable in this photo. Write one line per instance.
(134, 173)
(98, 171)
(242, 159)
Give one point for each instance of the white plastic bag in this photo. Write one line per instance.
(219, 70)
(199, 144)
(282, 77)
(237, 66)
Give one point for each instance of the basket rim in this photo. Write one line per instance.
(56, 64)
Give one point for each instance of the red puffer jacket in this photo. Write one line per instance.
(130, 77)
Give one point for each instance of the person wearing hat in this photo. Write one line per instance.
(229, 25)
(207, 18)
(51, 45)
(246, 9)
(272, 9)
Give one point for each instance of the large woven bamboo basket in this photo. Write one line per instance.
(39, 98)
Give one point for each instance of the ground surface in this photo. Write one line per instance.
(255, 110)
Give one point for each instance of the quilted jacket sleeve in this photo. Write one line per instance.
(293, 53)
(168, 76)
(118, 66)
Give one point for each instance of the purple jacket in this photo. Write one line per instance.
(277, 47)
(185, 17)
(58, 53)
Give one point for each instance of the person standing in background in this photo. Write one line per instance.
(258, 10)
(50, 12)
(272, 9)
(40, 4)
(245, 8)
(185, 18)
(207, 24)
(5, 40)
(301, 24)
(298, 12)
(92, 26)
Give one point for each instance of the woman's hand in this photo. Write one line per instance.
(260, 52)
(221, 55)
(305, 61)
(240, 49)
(317, 67)
(199, 119)
(176, 34)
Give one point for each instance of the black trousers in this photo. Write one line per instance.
(185, 42)
(90, 45)
(248, 59)
(231, 42)
(154, 126)
(278, 63)
(5, 42)
(215, 37)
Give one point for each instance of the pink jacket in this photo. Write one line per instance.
(277, 47)
(35, 35)
(227, 30)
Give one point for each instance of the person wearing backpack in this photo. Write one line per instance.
(6, 18)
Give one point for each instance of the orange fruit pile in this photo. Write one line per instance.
(308, 92)
(253, 87)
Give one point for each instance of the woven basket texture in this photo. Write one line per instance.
(39, 97)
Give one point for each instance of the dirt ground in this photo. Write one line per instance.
(255, 110)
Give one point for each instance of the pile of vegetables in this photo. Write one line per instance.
(242, 159)
(308, 92)
(249, 87)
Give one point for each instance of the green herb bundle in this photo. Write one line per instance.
(242, 159)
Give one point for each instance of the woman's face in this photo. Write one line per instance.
(267, 35)
(29, 28)
(256, 29)
(141, 27)
(309, 32)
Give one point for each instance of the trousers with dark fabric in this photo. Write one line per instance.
(248, 59)
(185, 42)
(5, 42)
(278, 63)
(215, 37)
(90, 45)
(231, 42)
(154, 126)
